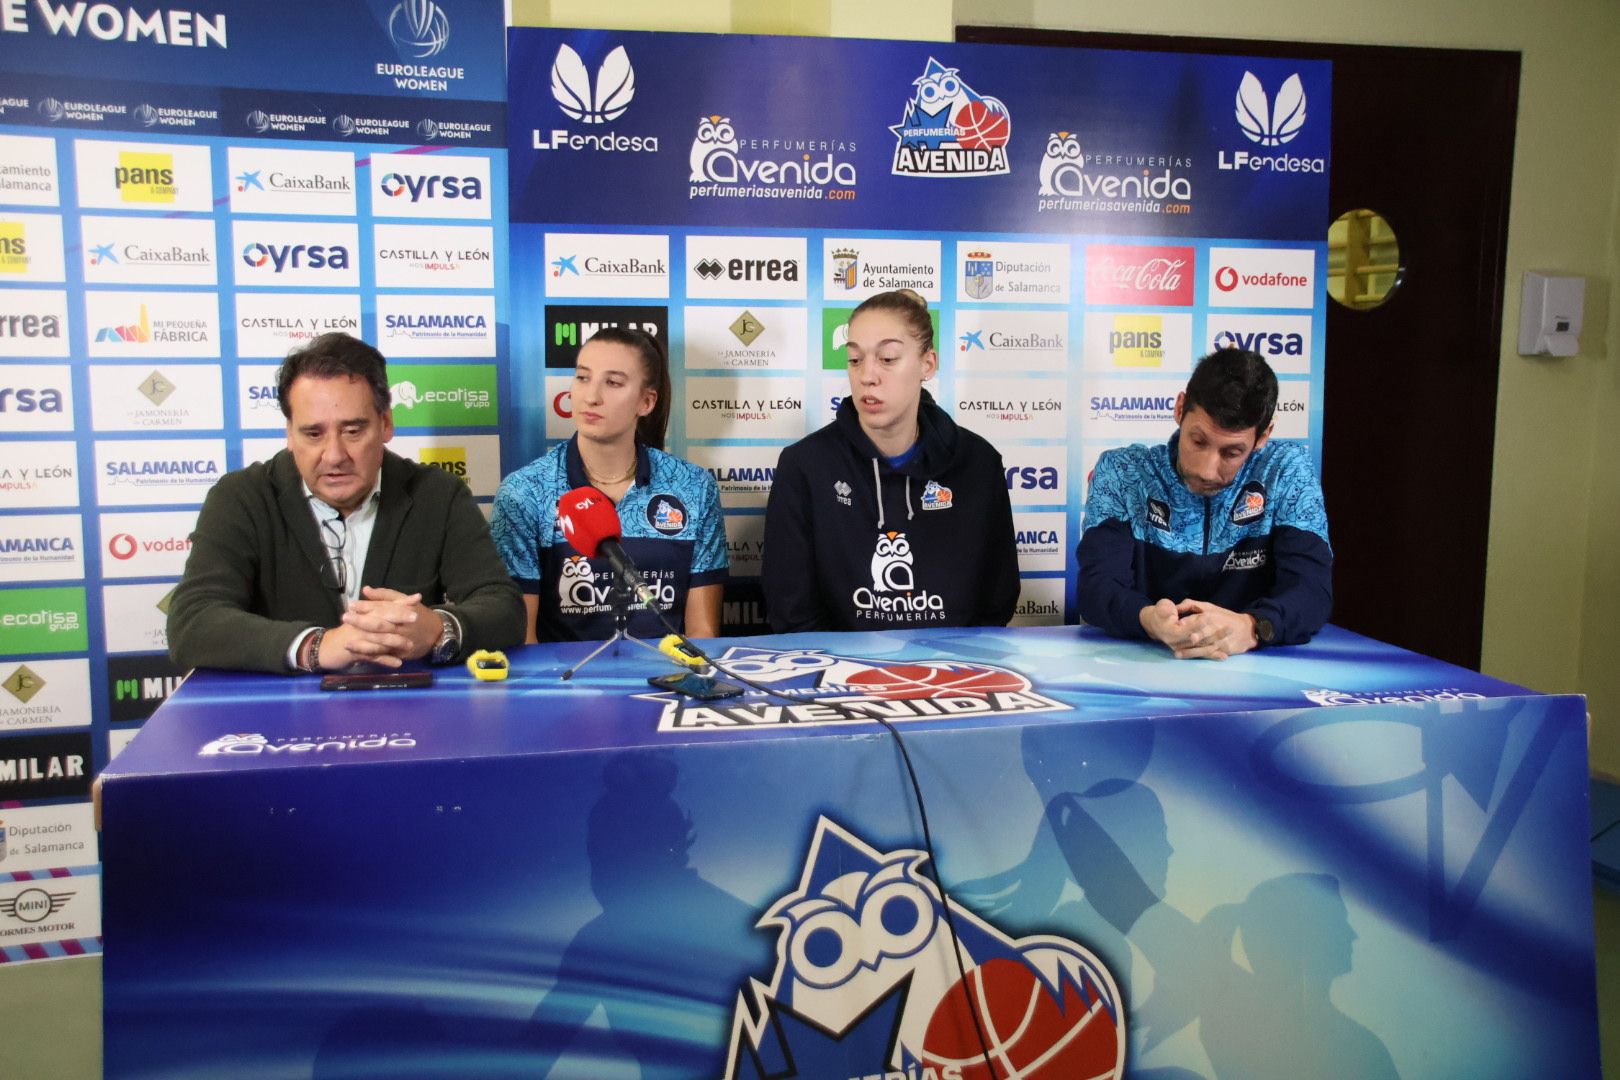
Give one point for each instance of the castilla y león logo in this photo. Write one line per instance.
(867, 972)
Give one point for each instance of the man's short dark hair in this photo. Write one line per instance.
(1236, 387)
(335, 356)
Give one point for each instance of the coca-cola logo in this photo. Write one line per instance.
(1118, 274)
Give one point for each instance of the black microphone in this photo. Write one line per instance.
(591, 525)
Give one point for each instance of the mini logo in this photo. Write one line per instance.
(343, 124)
(979, 274)
(419, 27)
(666, 514)
(936, 496)
(1250, 504)
(709, 269)
(258, 122)
(34, 905)
(891, 563)
(867, 956)
(571, 86)
(145, 115)
(23, 683)
(51, 109)
(842, 490)
(155, 388)
(746, 328)
(948, 129)
(846, 268)
(1158, 514)
(1270, 123)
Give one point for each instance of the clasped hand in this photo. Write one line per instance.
(384, 627)
(1195, 629)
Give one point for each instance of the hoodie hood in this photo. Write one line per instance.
(939, 442)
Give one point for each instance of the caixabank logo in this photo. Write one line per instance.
(861, 687)
(949, 129)
(879, 974)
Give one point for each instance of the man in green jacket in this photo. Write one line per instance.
(336, 551)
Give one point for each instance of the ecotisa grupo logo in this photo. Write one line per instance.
(1270, 122)
(949, 129)
(862, 687)
(866, 959)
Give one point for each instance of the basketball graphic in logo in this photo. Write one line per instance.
(978, 124)
(937, 680)
(1028, 1032)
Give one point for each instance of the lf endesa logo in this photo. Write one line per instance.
(1270, 121)
(593, 104)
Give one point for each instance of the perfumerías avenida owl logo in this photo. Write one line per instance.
(867, 983)
(420, 28)
(949, 129)
(1270, 122)
(571, 86)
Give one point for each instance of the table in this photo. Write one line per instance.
(1340, 859)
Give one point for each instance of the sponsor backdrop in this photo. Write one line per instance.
(185, 195)
(1336, 860)
(1083, 224)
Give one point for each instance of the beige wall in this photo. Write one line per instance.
(1553, 578)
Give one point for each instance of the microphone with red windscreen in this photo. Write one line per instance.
(591, 524)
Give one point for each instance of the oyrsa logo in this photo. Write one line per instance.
(868, 958)
(860, 687)
(948, 129)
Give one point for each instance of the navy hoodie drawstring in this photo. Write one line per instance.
(877, 486)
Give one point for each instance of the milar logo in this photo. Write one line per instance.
(862, 688)
(869, 960)
(948, 129)
(145, 177)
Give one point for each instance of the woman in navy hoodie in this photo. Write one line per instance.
(891, 516)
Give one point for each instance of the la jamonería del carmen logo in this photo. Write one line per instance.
(867, 984)
(838, 689)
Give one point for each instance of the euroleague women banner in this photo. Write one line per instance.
(185, 196)
(1083, 224)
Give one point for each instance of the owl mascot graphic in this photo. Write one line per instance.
(891, 563)
(576, 584)
(1060, 168)
(715, 139)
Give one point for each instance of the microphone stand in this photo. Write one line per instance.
(619, 598)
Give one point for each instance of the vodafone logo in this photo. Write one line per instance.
(122, 546)
(1262, 277)
(1226, 279)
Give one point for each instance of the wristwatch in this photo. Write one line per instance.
(449, 643)
(1264, 632)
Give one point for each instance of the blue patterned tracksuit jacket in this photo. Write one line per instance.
(1260, 545)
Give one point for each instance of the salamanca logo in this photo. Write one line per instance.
(104, 22)
(253, 745)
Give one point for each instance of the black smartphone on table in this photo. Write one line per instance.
(377, 680)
